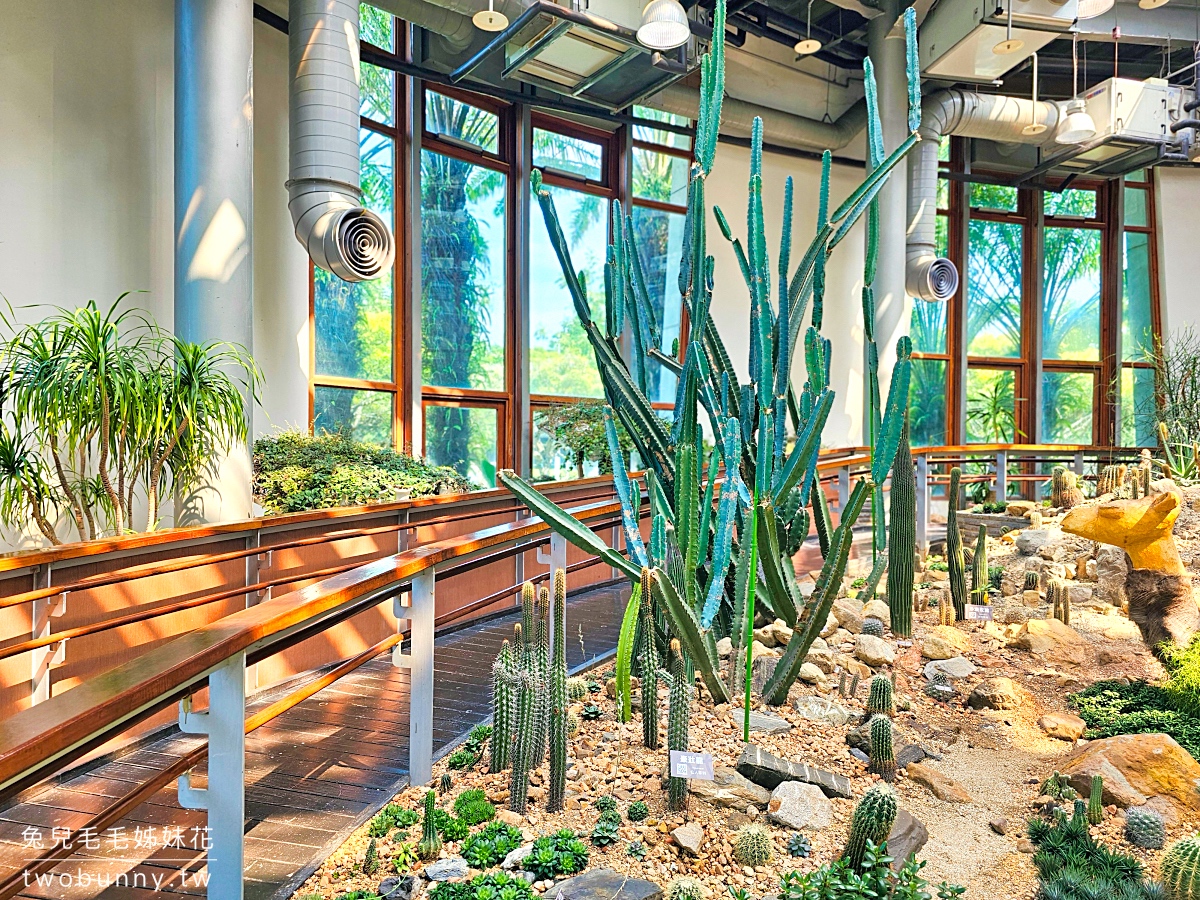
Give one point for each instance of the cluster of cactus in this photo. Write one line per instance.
(504, 706)
(883, 753)
(956, 565)
(558, 698)
(1064, 488)
(799, 845)
(873, 818)
(881, 696)
(1058, 596)
(677, 724)
(902, 538)
(1145, 828)
(649, 664)
(431, 840)
(847, 685)
(980, 577)
(873, 627)
(1032, 580)
(1111, 480)
(753, 846)
(684, 887)
(1180, 869)
(1035, 518)
(525, 730)
(1138, 482)
(1058, 786)
(766, 433)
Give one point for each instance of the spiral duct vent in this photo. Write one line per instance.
(938, 280)
(324, 193)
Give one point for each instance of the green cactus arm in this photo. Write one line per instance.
(687, 628)
(821, 516)
(709, 479)
(712, 90)
(637, 286)
(888, 441)
(625, 654)
(777, 595)
(660, 504)
(566, 524)
(818, 275)
(559, 242)
(868, 590)
(805, 450)
(630, 518)
(722, 549)
(912, 69)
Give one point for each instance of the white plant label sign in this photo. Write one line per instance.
(978, 612)
(697, 766)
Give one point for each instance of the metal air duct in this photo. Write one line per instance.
(955, 112)
(324, 192)
(454, 28)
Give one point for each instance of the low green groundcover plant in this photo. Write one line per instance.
(489, 886)
(488, 846)
(392, 816)
(473, 807)
(560, 853)
(874, 880)
(1113, 707)
(295, 472)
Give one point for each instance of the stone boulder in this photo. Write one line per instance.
(797, 805)
(606, 884)
(955, 668)
(937, 647)
(820, 655)
(1112, 568)
(1135, 768)
(1032, 540)
(849, 615)
(446, 869)
(689, 837)
(906, 839)
(768, 723)
(998, 693)
(877, 609)
(769, 771)
(1063, 726)
(941, 786)
(820, 709)
(731, 789)
(874, 651)
(1050, 637)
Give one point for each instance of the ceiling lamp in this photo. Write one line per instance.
(664, 25)
(1078, 126)
(1035, 127)
(1151, 4)
(1010, 44)
(810, 44)
(1089, 9)
(490, 20)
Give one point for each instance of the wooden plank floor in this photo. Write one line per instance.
(313, 775)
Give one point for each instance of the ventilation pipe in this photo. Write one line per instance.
(324, 192)
(455, 29)
(955, 112)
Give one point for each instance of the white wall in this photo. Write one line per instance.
(727, 188)
(1179, 237)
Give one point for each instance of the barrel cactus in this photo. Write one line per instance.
(1032, 580)
(873, 627)
(1145, 828)
(881, 696)
(685, 888)
(1180, 869)
(752, 845)
(1064, 489)
(873, 819)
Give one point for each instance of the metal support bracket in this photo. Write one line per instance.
(401, 604)
(190, 797)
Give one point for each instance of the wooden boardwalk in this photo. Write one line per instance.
(313, 774)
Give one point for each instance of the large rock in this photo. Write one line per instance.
(874, 651)
(1136, 767)
(820, 655)
(906, 839)
(955, 668)
(445, 869)
(810, 674)
(516, 857)
(1063, 726)
(1031, 540)
(605, 884)
(689, 837)
(941, 786)
(768, 770)
(849, 614)
(1044, 635)
(404, 887)
(937, 647)
(796, 805)
(997, 693)
(820, 709)
(877, 609)
(768, 723)
(731, 789)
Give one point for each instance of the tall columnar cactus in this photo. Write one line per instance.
(1059, 600)
(902, 539)
(504, 707)
(523, 739)
(541, 674)
(649, 664)
(1064, 489)
(766, 433)
(1032, 580)
(873, 819)
(558, 698)
(881, 697)
(1095, 810)
(528, 626)
(431, 841)
(883, 754)
(1135, 483)
(1180, 869)
(954, 549)
(979, 569)
(677, 724)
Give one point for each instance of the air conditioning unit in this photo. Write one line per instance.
(1123, 107)
(958, 37)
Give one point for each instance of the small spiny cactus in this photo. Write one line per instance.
(1032, 580)
(523, 740)
(649, 664)
(1095, 810)
(1035, 519)
(371, 860)
(854, 685)
(541, 673)
(873, 819)
(752, 845)
(685, 888)
(939, 687)
(445, 783)
(873, 627)
(1180, 869)
(677, 724)
(883, 755)
(558, 698)
(902, 537)
(1144, 827)
(979, 569)
(881, 696)
(431, 841)
(576, 688)
(637, 811)
(1060, 603)
(1064, 489)
(504, 707)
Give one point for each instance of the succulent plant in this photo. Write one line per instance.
(752, 845)
(488, 846)
(636, 849)
(606, 803)
(577, 688)
(558, 698)
(405, 857)
(799, 845)
(1180, 869)
(445, 783)
(473, 807)
(980, 579)
(873, 818)
(649, 663)
(523, 742)
(873, 627)
(1058, 597)
(852, 691)
(431, 841)
(541, 675)
(590, 712)
(1035, 518)
(940, 687)
(1095, 809)
(607, 831)
(881, 696)
(1032, 580)
(902, 538)
(956, 566)
(559, 853)
(1145, 827)
(684, 887)
(637, 811)
(882, 756)
(371, 860)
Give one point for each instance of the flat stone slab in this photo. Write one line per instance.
(768, 723)
(605, 884)
(796, 805)
(729, 788)
(954, 668)
(906, 839)
(770, 771)
(445, 869)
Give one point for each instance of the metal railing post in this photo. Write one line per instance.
(43, 660)
(420, 614)
(225, 796)
(923, 504)
(1078, 466)
(1001, 476)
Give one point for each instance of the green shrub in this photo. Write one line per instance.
(295, 472)
(578, 428)
(607, 803)
(489, 886)
(490, 845)
(560, 853)
(1111, 707)
(473, 807)
(392, 816)
(876, 880)
(462, 758)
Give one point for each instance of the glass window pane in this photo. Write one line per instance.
(1136, 325)
(994, 289)
(944, 149)
(1068, 399)
(994, 196)
(660, 176)
(461, 122)
(462, 273)
(352, 322)
(991, 406)
(1135, 207)
(552, 150)
(561, 361)
(464, 438)
(1138, 421)
(376, 97)
(943, 193)
(659, 238)
(927, 402)
(928, 327)
(376, 26)
(1141, 175)
(552, 459)
(1071, 294)
(660, 135)
(1071, 203)
(361, 415)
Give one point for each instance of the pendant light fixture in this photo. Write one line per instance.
(490, 20)
(664, 25)
(1035, 127)
(1089, 9)
(1078, 126)
(809, 45)
(1009, 44)
(1151, 4)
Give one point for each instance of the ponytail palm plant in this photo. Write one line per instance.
(706, 568)
(101, 406)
